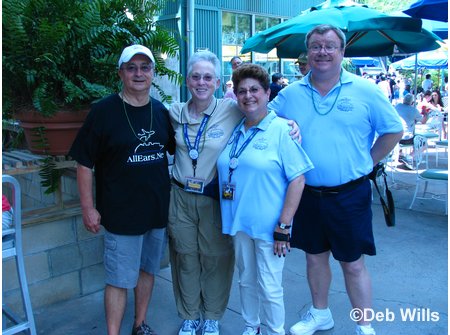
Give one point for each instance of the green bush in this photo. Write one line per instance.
(64, 53)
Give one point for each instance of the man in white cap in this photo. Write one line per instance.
(125, 138)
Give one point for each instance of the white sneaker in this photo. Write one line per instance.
(189, 327)
(311, 322)
(210, 327)
(365, 330)
(252, 331)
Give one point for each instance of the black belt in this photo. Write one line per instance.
(333, 190)
(176, 182)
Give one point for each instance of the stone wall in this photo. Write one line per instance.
(62, 259)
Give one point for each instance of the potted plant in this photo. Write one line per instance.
(59, 56)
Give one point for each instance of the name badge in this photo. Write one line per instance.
(194, 185)
(228, 191)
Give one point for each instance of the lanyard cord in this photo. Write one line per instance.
(129, 122)
(335, 100)
(235, 155)
(194, 150)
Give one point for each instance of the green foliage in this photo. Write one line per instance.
(387, 6)
(64, 53)
(50, 175)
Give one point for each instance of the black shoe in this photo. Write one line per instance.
(143, 329)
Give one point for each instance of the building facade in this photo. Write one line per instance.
(222, 26)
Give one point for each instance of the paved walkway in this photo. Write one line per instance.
(409, 277)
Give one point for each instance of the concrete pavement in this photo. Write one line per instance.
(409, 277)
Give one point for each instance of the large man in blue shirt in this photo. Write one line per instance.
(339, 114)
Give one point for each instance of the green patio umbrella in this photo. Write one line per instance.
(368, 31)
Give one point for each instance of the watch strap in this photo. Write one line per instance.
(283, 225)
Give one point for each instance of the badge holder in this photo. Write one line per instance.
(228, 191)
(194, 185)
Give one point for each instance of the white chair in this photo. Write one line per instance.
(391, 161)
(439, 145)
(13, 248)
(426, 175)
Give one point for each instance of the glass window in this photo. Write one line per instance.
(263, 23)
(236, 28)
(269, 61)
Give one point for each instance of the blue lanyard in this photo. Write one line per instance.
(235, 155)
(193, 150)
(199, 133)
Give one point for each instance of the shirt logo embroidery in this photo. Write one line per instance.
(215, 132)
(261, 144)
(345, 105)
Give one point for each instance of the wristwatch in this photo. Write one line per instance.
(283, 225)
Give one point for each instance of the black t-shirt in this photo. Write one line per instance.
(131, 174)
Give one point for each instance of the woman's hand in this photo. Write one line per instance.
(295, 131)
(281, 244)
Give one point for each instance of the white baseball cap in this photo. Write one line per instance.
(132, 50)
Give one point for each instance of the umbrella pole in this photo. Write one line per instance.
(415, 78)
(439, 80)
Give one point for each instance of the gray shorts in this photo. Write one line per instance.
(125, 255)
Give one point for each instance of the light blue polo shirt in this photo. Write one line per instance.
(338, 129)
(266, 166)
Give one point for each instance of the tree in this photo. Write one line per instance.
(386, 6)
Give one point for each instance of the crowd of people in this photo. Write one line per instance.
(214, 210)
(424, 108)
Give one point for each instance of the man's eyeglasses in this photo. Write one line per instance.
(316, 48)
(206, 77)
(253, 91)
(132, 68)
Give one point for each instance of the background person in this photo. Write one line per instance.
(303, 65)
(385, 87)
(125, 138)
(440, 113)
(427, 83)
(276, 85)
(229, 93)
(235, 62)
(334, 215)
(268, 162)
(7, 218)
(436, 100)
(409, 115)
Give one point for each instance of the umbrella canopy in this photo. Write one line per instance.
(429, 9)
(369, 32)
(365, 61)
(437, 27)
(437, 59)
